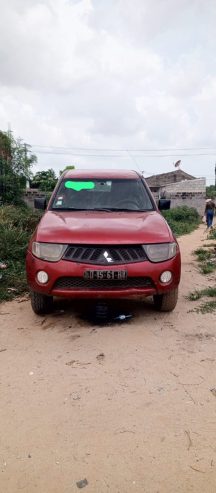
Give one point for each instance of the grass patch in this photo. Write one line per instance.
(206, 259)
(207, 268)
(212, 234)
(202, 255)
(208, 307)
(206, 245)
(182, 220)
(197, 294)
(16, 226)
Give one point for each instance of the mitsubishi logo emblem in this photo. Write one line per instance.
(107, 257)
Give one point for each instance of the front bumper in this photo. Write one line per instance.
(67, 269)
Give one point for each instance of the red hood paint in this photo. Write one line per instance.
(103, 228)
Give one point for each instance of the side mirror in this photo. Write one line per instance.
(40, 203)
(164, 204)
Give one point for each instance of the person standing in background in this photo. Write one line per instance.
(209, 212)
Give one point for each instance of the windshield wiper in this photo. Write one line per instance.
(103, 209)
(128, 210)
(59, 209)
(116, 209)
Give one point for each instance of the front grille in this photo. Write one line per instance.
(82, 284)
(101, 255)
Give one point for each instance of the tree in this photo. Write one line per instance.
(210, 192)
(16, 160)
(44, 180)
(67, 168)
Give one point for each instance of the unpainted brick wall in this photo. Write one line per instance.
(193, 186)
(191, 200)
(29, 197)
(188, 192)
(196, 200)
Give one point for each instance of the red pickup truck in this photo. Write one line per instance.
(102, 236)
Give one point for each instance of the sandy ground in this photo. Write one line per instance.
(141, 418)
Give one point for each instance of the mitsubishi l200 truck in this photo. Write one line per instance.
(102, 236)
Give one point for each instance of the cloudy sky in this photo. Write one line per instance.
(111, 83)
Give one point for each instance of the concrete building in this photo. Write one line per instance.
(180, 187)
(155, 182)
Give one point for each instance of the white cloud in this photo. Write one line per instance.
(117, 74)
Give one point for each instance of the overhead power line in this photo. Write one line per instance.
(100, 149)
(76, 154)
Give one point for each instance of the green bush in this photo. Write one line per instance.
(19, 217)
(182, 220)
(183, 213)
(13, 242)
(12, 281)
(16, 226)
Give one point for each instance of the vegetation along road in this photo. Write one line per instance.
(121, 408)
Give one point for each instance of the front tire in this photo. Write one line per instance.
(41, 304)
(166, 302)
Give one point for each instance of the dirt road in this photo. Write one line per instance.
(141, 418)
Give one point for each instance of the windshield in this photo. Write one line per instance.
(107, 195)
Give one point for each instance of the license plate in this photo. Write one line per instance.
(108, 275)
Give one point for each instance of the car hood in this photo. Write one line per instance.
(103, 228)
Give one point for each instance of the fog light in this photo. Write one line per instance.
(42, 277)
(166, 276)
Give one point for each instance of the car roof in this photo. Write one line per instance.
(101, 174)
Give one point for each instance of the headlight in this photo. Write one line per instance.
(48, 251)
(161, 251)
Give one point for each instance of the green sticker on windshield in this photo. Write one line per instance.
(80, 185)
